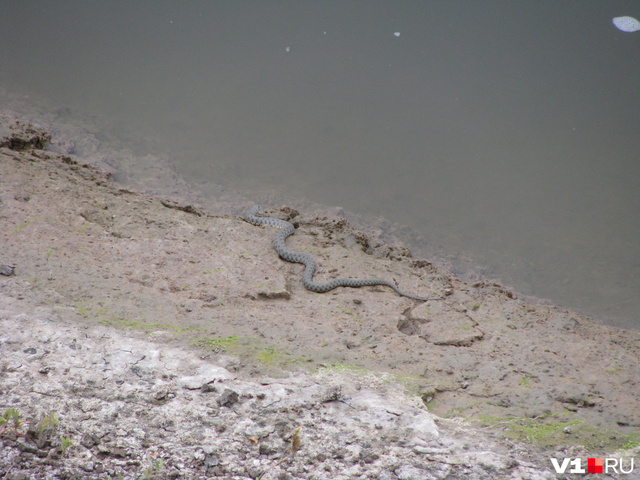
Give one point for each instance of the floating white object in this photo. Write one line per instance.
(397, 34)
(626, 24)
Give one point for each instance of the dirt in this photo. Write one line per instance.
(148, 337)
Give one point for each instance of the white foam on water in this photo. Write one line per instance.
(626, 24)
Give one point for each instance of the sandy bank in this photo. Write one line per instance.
(166, 337)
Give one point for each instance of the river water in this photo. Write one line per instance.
(508, 132)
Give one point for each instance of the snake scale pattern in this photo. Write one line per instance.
(286, 229)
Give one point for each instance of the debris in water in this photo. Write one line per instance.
(626, 24)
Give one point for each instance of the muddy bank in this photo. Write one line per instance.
(175, 289)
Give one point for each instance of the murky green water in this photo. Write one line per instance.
(507, 131)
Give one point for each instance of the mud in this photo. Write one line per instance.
(169, 340)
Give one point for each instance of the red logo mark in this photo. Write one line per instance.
(594, 465)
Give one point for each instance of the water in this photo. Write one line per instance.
(506, 131)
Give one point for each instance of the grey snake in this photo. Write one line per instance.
(286, 229)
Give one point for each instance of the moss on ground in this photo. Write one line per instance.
(544, 432)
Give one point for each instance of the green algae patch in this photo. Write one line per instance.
(219, 343)
(250, 350)
(272, 356)
(526, 381)
(105, 316)
(543, 432)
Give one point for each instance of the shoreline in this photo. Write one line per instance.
(155, 174)
(101, 260)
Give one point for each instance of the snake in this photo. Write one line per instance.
(286, 229)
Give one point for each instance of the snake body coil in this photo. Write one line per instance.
(286, 229)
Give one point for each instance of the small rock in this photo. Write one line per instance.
(89, 440)
(228, 398)
(267, 448)
(199, 456)
(208, 388)
(368, 456)
(163, 395)
(119, 452)
(333, 394)
(7, 270)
